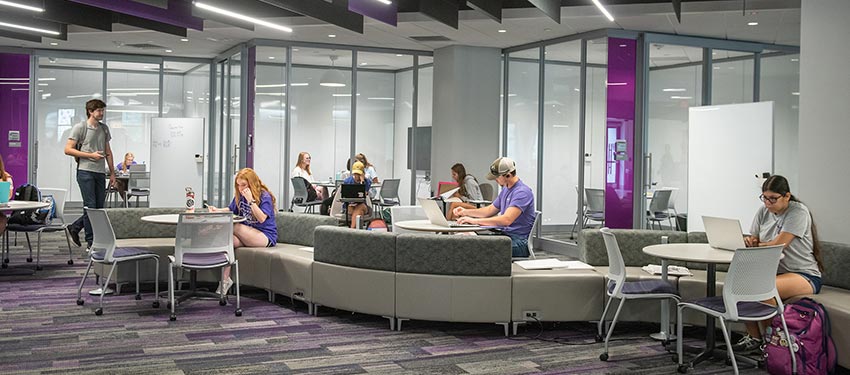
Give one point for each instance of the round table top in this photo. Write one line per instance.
(690, 252)
(426, 226)
(22, 205)
(173, 218)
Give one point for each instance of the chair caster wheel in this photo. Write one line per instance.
(598, 338)
(70, 262)
(138, 297)
(155, 304)
(39, 268)
(29, 260)
(238, 312)
(172, 318)
(222, 302)
(80, 302)
(683, 369)
(98, 312)
(603, 357)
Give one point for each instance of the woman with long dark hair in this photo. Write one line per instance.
(467, 190)
(785, 220)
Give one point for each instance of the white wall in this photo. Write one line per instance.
(466, 110)
(824, 89)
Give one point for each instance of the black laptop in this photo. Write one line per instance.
(353, 193)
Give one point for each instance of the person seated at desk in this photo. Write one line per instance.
(302, 169)
(123, 168)
(783, 219)
(358, 176)
(256, 203)
(467, 190)
(512, 210)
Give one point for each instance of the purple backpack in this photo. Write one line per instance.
(809, 326)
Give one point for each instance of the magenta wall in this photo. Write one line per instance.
(619, 172)
(14, 113)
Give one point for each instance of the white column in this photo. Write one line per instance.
(825, 115)
(465, 127)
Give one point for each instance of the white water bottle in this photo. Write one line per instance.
(190, 199)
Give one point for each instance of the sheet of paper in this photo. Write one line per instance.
(449, 193)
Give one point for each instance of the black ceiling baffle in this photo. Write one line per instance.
(335, 13)
(492, 8)
(551, 8)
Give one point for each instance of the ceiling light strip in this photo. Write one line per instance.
(21, 6)
(241, 17)
(603, 10)
(28, 28)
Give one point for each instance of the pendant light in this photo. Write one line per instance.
(332, 77)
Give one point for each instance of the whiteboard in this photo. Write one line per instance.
(173, 166)
(728, 146)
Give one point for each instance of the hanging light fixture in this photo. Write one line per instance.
(332, 77)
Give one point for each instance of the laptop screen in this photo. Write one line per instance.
(138, 168)
(353, 191)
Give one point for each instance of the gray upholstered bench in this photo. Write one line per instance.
(557, 295)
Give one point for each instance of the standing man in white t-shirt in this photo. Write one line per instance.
(89, 145)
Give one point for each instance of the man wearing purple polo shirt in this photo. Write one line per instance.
(512, 211)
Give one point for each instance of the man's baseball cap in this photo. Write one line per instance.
(500, 167)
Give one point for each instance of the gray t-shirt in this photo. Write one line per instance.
(799, 254)
(473, 192)
(95, 140)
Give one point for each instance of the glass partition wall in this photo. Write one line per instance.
(554, 125)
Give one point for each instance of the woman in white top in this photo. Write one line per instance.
(302, 169)
(467, 190)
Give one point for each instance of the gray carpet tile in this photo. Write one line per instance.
(43, 331)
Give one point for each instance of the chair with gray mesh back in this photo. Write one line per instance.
(388, 194)
(57, 224)
(595, 210)
(104, 251)
(751, 279)
(300, 196)
(404, 213)
(671, 205)
(659, 208)
(204, 241)
(619, 288)
(139, 185)
(535, 228)
(487, 191)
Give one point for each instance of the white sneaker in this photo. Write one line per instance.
(98, 291)
(227, 284)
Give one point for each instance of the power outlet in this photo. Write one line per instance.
(531, 315)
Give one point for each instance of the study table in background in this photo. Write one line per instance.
(426, 226)
(8, 208)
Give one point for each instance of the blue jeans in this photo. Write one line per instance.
(519, 246)
(93, 189)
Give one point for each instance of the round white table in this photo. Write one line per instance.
(171, 219)
(426, 226)
(10, 207)
(696, 253)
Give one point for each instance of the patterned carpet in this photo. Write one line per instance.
(42, 330)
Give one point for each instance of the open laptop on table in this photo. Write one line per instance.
(724, 234)
(352, 193)
(435, 215)
(138, 168)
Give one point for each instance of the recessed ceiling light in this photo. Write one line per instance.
(398, 55)
(503, 30)
(674, 90)
(362, 64)
(54, 44)
(752, 23)
(295, 50)
(795, 60)
(331, 35)
(168, 51)
(271, 57)
(795, 93)
(184, 39)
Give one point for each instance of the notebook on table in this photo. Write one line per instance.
(435, 215)
(724, 234)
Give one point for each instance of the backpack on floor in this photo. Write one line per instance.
(28, 192)
(808, 323)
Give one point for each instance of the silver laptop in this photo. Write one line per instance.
(723, 233)
(138, 168)
(435, 215)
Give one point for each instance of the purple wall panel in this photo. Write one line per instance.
(620, 130)
(386, 13)
(14, 113)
